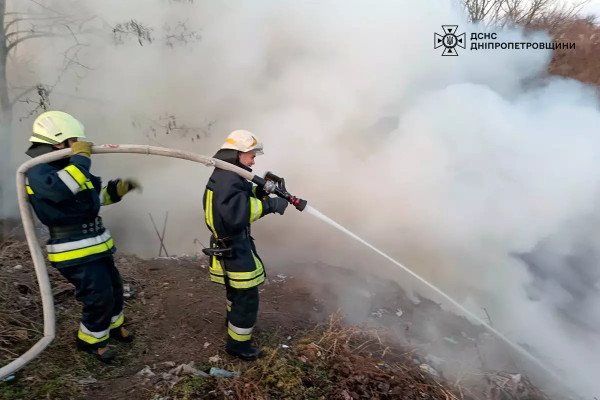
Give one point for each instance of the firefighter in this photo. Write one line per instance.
(231, 204)
(66, 198)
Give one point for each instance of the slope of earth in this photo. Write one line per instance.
(311, 349)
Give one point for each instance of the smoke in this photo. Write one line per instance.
(474, 171)
(5, 175)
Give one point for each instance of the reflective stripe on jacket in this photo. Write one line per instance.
(230, 207)
(65, 193)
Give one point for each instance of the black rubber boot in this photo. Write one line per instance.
(103, 354)
(249, 354)
(121, 334)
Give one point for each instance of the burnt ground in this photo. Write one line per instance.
(178, 317)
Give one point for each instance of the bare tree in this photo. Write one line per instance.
(520, 12)
(132, 28)
(4, 100)
(40, 22)
(172, 35)
(168, 124)
(481, 10)
(17, 27)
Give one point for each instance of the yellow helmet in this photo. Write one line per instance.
(243, 141)
(54, 127)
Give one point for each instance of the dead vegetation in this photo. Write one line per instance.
(21, 321)
(506, 386)
(19, 295)
(60, 372)
(562, 20)
(521, 12)
(582, 63)
(337, 362)
(334, 361)
(330, 361)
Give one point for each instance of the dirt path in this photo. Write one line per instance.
(178, 316)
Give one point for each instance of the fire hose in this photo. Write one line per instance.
(270, 184)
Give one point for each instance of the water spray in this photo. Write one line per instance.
(515, 346)
(271, 183)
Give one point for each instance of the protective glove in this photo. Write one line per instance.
(277, 204)
(126, 185)
(261, 193)
(83, 148)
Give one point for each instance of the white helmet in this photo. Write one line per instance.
(55, 127)
(243, 141)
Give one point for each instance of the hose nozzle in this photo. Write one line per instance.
(273, 184)
(298, 203)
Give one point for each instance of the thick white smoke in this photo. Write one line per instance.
(471, 170)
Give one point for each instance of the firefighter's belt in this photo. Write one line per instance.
(219, 253)
(71, 231)
(227, 241)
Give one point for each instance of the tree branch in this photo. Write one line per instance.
(9, 35)
(74, 59)
(49, 28)
(22, 94)
(73, 35)
(14, 21)
(45, 90)
(45, 7)
(22, 13)
(11, 45)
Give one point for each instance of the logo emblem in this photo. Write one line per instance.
(449, 40)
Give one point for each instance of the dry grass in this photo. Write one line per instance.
(21, 322)
(20, 302)
(331, 361)
(60, 372)
(581, 63)
(328, 361)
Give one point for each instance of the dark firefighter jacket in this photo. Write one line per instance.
(230, 206)
(64, 194)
